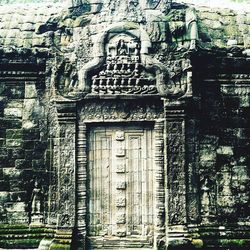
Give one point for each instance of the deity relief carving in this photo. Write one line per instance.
(123, 72)
(207, 199)
(122, 65)
(163, 5)
(184, 29)
(36, 205)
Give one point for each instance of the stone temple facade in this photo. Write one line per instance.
(124, 124)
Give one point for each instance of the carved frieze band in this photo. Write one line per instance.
(123, 111)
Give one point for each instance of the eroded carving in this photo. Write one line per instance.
(36, 205)
(123, 72)
(176, 168)
(108, 110)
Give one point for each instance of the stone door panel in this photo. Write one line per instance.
(120, 167)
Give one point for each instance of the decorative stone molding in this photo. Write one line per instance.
(176, 171)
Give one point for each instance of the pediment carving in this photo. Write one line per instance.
(123, 71)
(124, 61)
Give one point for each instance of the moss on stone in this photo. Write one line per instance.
(197, 243)
(58, 246)
(14, 226)
(235, 242)
(131, 25)
(20, 243)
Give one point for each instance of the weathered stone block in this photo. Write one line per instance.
(4, 185)
(28, 144)
(2, 142)
(12, 123)
(14, 134)
(14, 142)
(225, 150)
(22, 164)
(31, 134)
(11, 173)
(207, 155)
(18, 196)
(30, 90)
(19, 217)
(13, 112)
(15, 207)
(17, 153)
(4, 197)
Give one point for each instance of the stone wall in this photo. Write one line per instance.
(48, 56)
(23, 138)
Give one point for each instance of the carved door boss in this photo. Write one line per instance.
(121, 185)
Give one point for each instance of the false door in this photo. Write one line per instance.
(121, 186)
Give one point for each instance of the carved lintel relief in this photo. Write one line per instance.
(120, 111)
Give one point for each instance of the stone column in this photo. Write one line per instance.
(81, 183)
(176, 172)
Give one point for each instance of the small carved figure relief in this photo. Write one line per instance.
(36, 205)
(36, 199)
(122, 49)
(163, 5)
(206, 199)
(191, 27)
(65, 78)
(184, 30)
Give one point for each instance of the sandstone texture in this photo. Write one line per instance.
(124, 125)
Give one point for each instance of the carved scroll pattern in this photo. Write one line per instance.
(53, 189)
(109, 110)
(192, 139)
(66, 216)
(176, 171)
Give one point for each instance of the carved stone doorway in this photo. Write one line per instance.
(121, 184)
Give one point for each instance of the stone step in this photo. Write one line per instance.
(120, 243)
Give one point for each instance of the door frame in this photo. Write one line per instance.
(132, 129)
(159, 164)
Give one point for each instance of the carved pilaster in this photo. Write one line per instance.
(66, 168)
(175, 151)
(192, 162)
